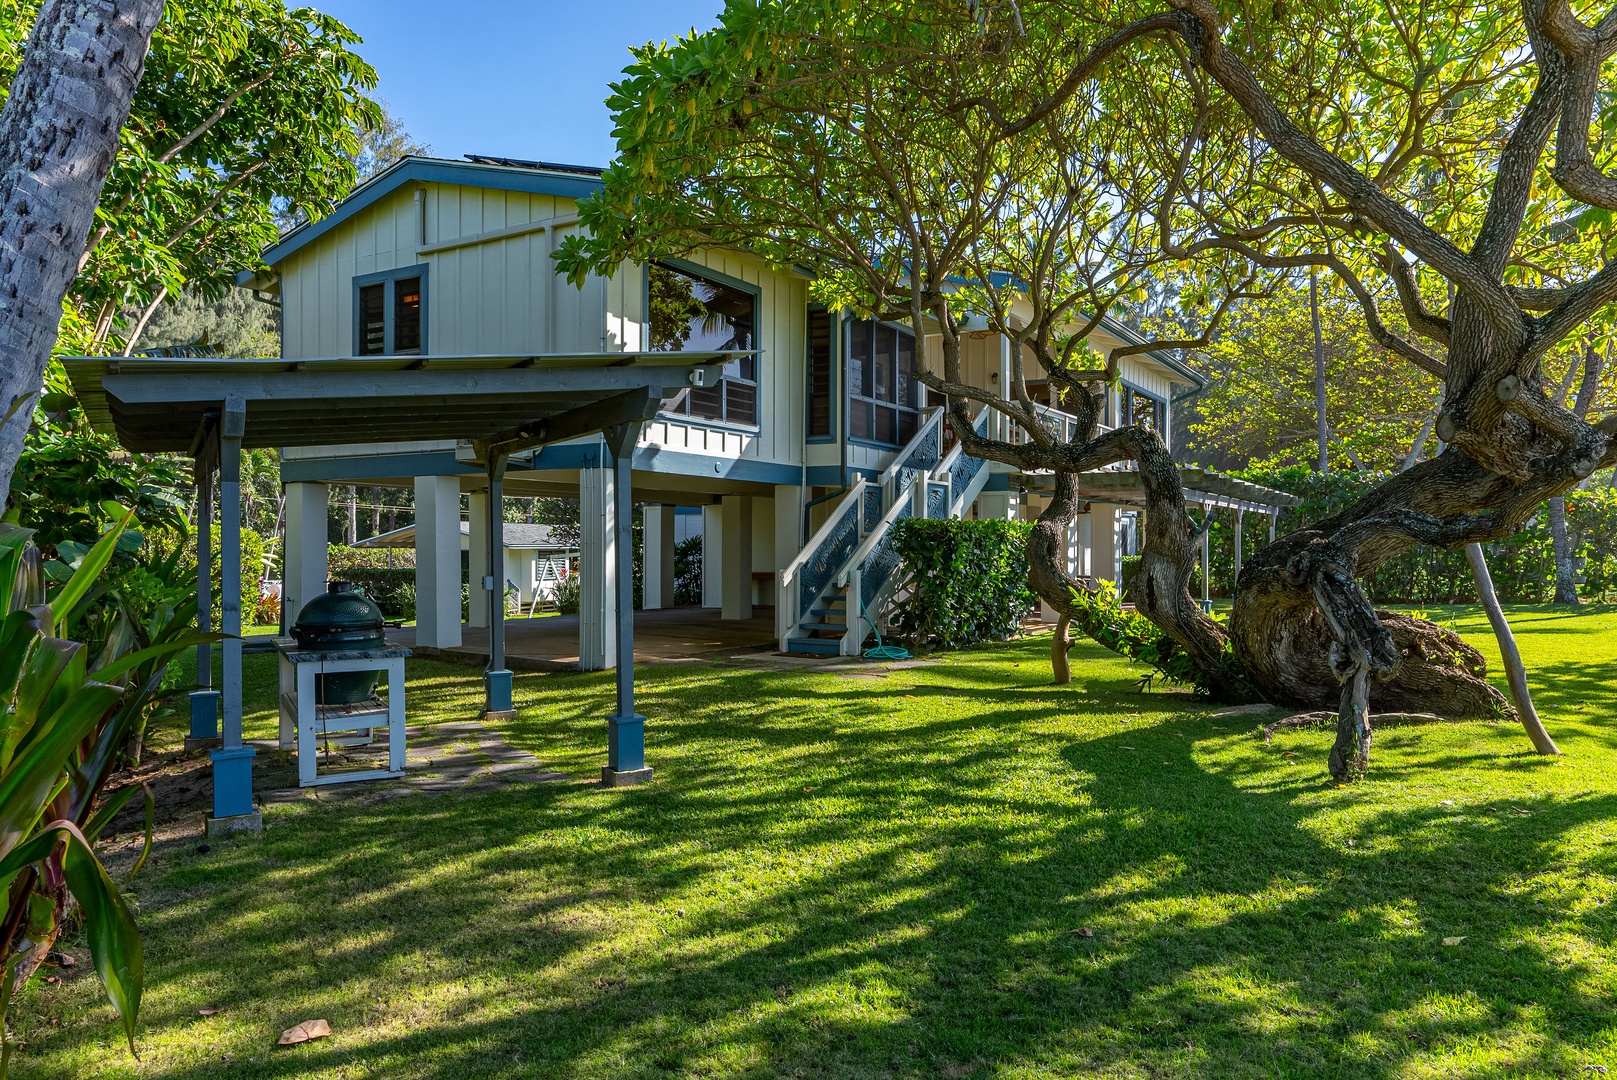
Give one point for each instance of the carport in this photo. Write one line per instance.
(210, 409)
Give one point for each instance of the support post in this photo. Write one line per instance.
(597, 569)
(204, 699)
(497, 703)
(1106, 541)
(1207, 595)
(1237, 577)
(658, 557)
(478, 565)
(625, 733)
(736, 601)
(789, 539)
(712, 556)
(233, 762)
(304, 560)
(437, 561)
(1274, 519)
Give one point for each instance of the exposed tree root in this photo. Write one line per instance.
(1323, 718)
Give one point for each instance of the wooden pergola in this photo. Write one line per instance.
(210, 409)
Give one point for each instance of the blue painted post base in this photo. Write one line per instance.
(625, 751)
(497, 695)
(233, 782)
(204, 733)
(1206, 605)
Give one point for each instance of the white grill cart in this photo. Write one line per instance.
(347, 725)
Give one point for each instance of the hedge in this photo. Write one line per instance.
(392, 590)
(968, 580)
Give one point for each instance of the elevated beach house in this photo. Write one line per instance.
(799, 458)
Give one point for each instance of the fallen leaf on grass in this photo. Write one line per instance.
(1446, 802)
(210, 1010)
(1453, 940)
(52, 979)
(309, 1029)
(1128, 748)
(1288, 753)
(1519, 810)
(1084, 931)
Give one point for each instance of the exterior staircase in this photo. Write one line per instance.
(845, 577)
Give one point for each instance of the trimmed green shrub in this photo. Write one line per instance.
(1130, 565)
(968, 580)
(343, 557)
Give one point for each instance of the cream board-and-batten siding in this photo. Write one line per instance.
(490, 289)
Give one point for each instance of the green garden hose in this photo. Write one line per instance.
(880, 651)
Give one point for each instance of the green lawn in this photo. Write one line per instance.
(860, 878)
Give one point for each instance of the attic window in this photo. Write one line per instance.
(390, 312)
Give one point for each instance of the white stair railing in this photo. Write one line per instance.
(821, 560)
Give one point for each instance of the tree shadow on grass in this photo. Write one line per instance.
(902, 900)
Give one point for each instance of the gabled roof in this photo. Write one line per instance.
(501, 174)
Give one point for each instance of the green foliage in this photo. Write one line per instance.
(61, 733)
(968, 580)
(688, 571)
(1259, 408)
(1129, 565)
(66, 472)
(341, 557)
(1102, 616)
(246, 110)
(568, 595)
(391, 590)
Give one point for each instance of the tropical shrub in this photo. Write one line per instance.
(1101, 615)
(341, 558)
(568, 595)
(688, 571)
(70, 709)
(967, 580)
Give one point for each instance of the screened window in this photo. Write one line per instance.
(883, 395)
(691, 313)
(1141, 408)
(389, 312)
(819, 374)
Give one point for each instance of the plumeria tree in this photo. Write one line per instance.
(1032, 164)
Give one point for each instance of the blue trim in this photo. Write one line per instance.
(375, 467)
(387, 278)
(999, 481)
(823, 476)
(562, 457)
(434, 171)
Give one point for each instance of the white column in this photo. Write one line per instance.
(789, 538)
(477, 557)
(437, 561)
(303, 564)
(657, 559)
(736, 575)
(597, 570)
(712, 556)
(1207, 595)
(1238, 515)
(1106, 541)
(1086, 546)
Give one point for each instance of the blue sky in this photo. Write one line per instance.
(524, 80)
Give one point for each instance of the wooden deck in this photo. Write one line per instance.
(669, 635)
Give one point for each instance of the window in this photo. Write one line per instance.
(691, 313)
(389, 312)
(819, 374)
(1141, 408)
(883, 395)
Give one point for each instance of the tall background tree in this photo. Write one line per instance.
(1402, 150)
